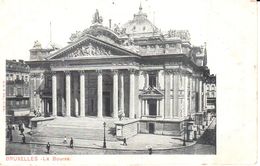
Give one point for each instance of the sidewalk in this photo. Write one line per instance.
(137, 143)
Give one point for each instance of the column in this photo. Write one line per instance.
(171, 93)
(142, 107)
(42, 106)
(54, 94)
(63, 102)
(132, 94)
(35, 89)
(185, 95)
(68, 94)
(191, 81)
(76, 93)
(146, 112)
(200, 95)
(99, 95)
(146, 77)
(82, 93)
(175, 94)
(115, 93)
(167, 93)
(204, 97)
(121, 93)
(157, 107)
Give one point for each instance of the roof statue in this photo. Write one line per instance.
(37, 44)
(205, 59)
(75, 36)
(182, 34)
(97, 18)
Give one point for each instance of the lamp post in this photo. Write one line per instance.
(104, 142)
(185, 127)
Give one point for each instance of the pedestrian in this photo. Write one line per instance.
(23, 138)
(65, 140)
(71, 142)
(11, 136)
(124, 142)
(150, 150)
(48, 146)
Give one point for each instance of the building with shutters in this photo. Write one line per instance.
(17, 90)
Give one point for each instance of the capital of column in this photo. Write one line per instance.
(99, 72)
(115, 72)
(168, 71)
(67, 72)
(82, 72)
(132, 71)
(53, 73)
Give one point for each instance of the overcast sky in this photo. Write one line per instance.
(23, 22)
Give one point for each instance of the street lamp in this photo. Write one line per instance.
(104, 142)
(185, 127)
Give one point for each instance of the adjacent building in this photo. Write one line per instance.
(155, 79)
(17, 90)
(211, 94)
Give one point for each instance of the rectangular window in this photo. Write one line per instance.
(19, 91)
(152, 80)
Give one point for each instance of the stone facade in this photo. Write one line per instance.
(17, 89)
(135, 71)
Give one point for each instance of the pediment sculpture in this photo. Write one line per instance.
(88, 50)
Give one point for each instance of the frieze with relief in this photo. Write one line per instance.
(89, 50)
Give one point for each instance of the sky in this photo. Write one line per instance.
(23, 22)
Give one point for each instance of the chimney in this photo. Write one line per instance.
(110, 22)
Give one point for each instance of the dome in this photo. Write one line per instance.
(140, 24)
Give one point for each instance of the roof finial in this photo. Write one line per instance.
(140, 7)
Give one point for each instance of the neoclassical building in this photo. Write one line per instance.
(154, 78)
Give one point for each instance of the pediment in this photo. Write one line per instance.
(152, 91)
(90, 46)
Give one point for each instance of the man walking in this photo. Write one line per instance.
(124, 142)
(23, 138)
(71, 142)
(48, 146)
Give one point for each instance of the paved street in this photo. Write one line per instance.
(26, 149)
(205, 145)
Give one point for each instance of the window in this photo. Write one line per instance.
(134, 28)
(26, 91)
(19, 91)
(144, 28)
(17, 77)
(152, 80)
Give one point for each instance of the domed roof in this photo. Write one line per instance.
(140, 24)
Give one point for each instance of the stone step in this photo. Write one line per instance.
(81, 133)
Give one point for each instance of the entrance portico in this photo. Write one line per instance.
(91, 93)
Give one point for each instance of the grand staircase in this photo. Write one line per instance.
(80, 128)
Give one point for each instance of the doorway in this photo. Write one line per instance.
(152, 106)
(106, 104)
(151, 128)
